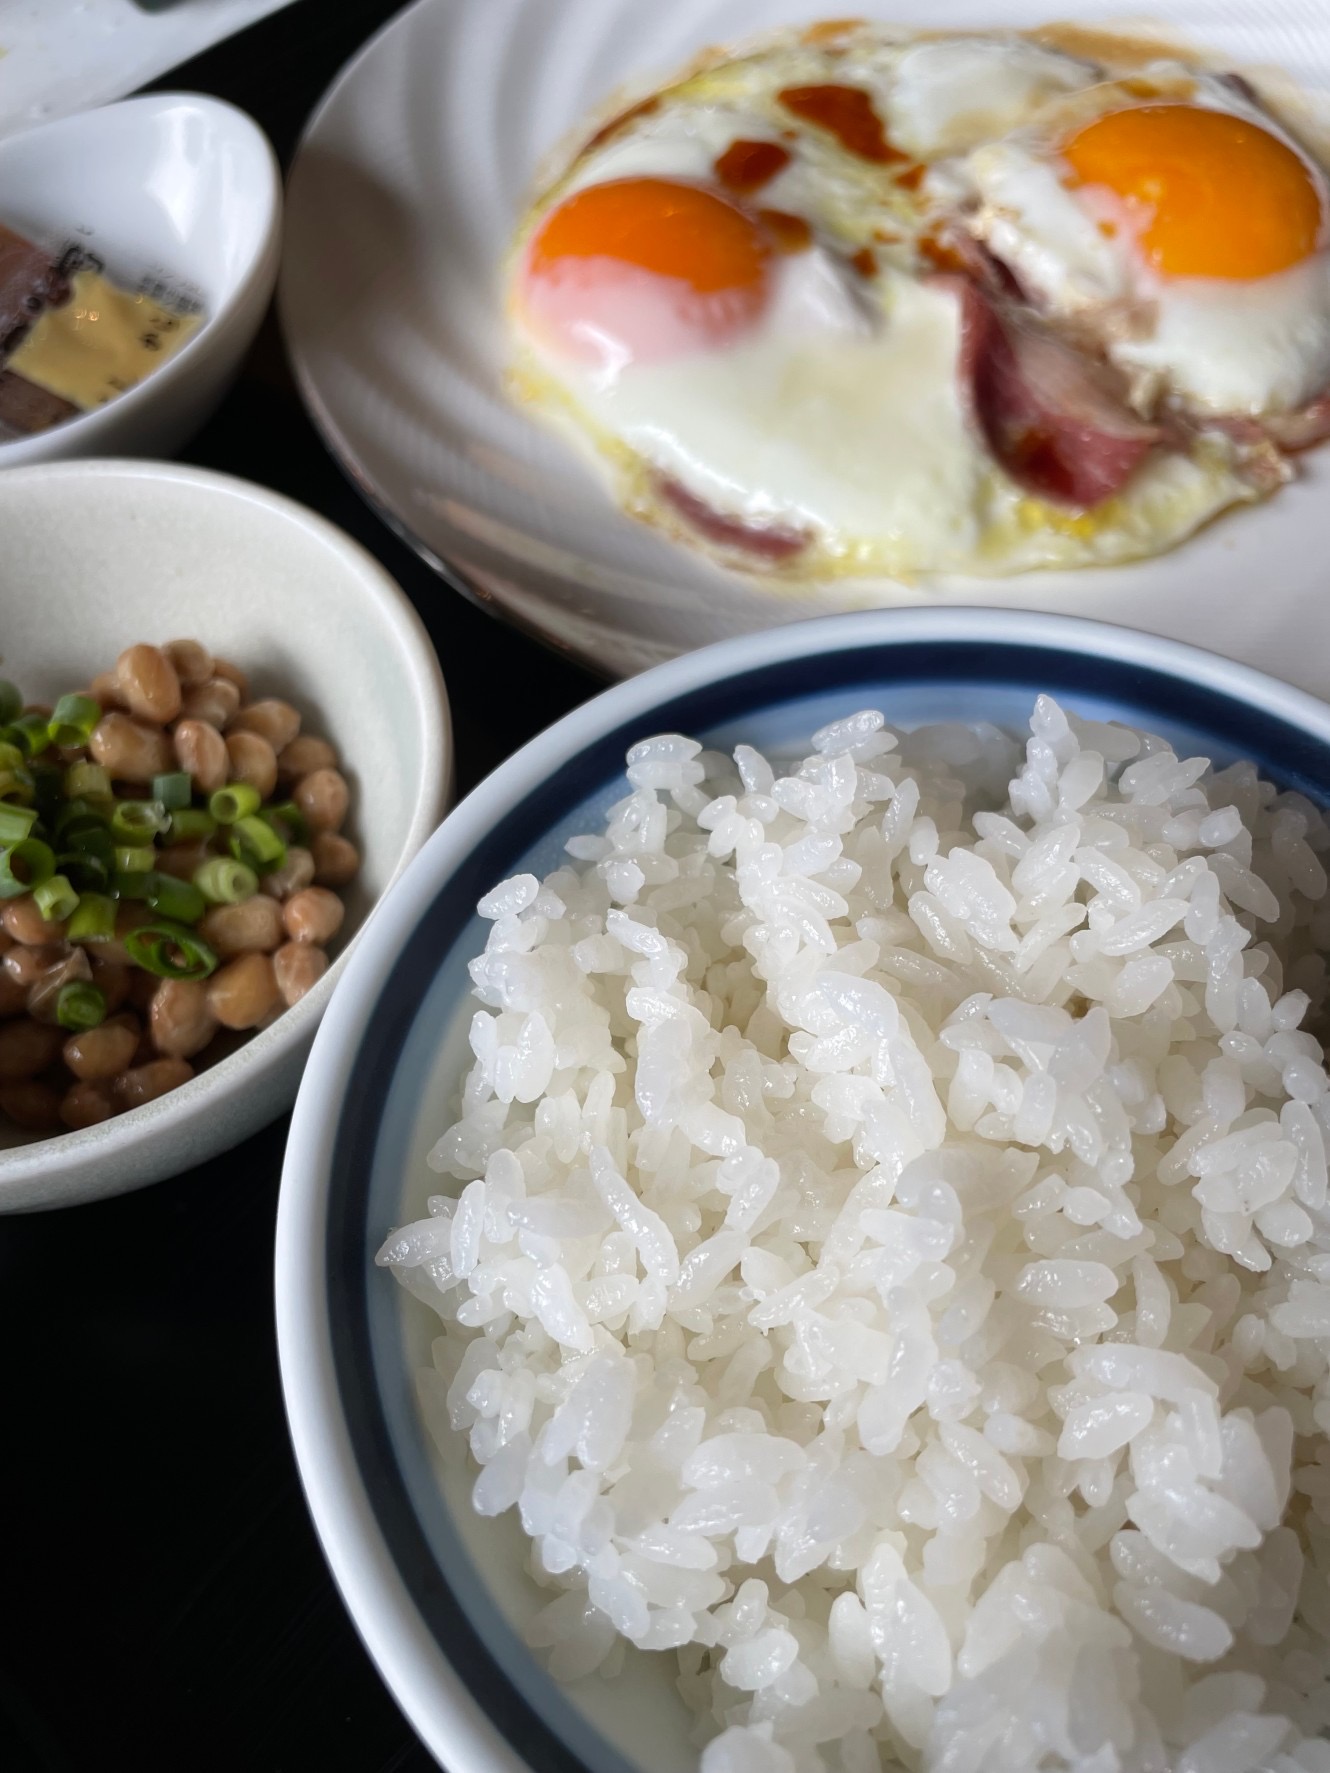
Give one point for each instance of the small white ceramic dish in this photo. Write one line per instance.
(401, 203)
(174, 190)
(97, 555)
(439, 1594)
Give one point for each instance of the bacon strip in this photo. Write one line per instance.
(769, 543)
(1054, 419)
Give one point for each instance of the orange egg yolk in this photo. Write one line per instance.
(1213, 195)
(642, 270)
(656, 225)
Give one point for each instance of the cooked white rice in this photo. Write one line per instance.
(891, 1265)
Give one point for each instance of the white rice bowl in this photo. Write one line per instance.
(884, 1254)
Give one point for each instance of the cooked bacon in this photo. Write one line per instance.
(1056, 420)
(1288, 431)
(951, 247)
(771, 543)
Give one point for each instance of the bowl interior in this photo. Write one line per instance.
(170, 190)
(467, 1576)
(99, 555)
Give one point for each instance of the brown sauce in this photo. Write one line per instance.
(790, 232)
(747, 166)
(847, 112)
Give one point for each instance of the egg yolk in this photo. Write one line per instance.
(657, 225)
(1215, 195)
(642, 269)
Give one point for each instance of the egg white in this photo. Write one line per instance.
(950, 94)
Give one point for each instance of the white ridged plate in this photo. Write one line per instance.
(401, 202)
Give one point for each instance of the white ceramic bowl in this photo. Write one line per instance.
(440, 1595)
(97, 555)
(174, 188)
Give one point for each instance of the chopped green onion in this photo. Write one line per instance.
(89, 839)
(179, 900)
(15, 822)
(287, 821)
(173, 789)
(11, 701)
(256, 843)
(94, 920)
(234, 802)
(87, 781)
(170, 951)
(80, 1005)
(78, 811)
(56, 899)
(135, 884)
(12, 757)
(85, 872)
(72, 722)
(47, 786)
(191, 825)
(17, 786)
(23, 866)
(136, 859)
(225, 882)
(133, 820)
(29, 731)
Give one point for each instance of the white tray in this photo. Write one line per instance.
(58, 56)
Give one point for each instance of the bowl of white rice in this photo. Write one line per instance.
(804, 1245)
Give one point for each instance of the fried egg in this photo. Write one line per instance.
(745, 297)
(1191, 233)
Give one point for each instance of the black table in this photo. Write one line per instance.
(163, 1600)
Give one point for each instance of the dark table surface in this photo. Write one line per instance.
(163, 1600)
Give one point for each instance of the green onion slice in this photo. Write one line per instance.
(56, 899)
(29, 731)
(23, 866)
(254, 842)
(134, 858)
(226, 882)
(94, 921)
(15, 822)
(287, 821)
(12, 757)
(90, 838)
(133, 820)
(11, 701)
(72, 722)
(234, 802)
(135, 883)
(80, 1005)
(170, 951)
(180, 900)
(78, 811)
(87, 781)
(85, 872)
(17, 786)
(191, 825)
(173, 789)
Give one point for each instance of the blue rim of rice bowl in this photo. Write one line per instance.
(838, 665)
